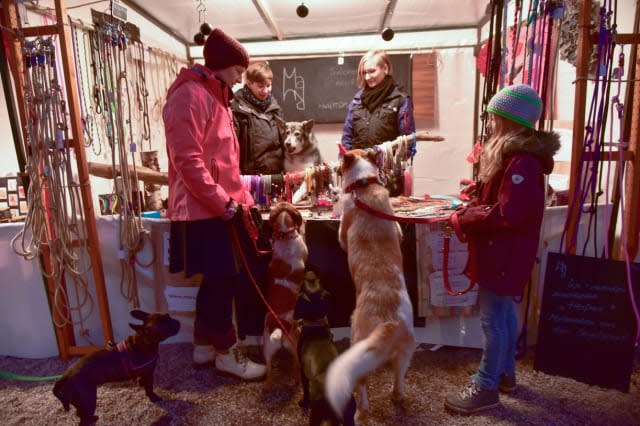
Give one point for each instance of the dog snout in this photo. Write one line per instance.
(290, 145)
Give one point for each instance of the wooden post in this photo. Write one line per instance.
(582, 72)
(65, 338)
(632, 180)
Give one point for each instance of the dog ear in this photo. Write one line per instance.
(275, 211)
(297, 217)
(372, 156)
(138, 314)
(137, 327)
(307, 125)
(348, 159)
(282, 125)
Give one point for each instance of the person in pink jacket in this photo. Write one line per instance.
(206, 198)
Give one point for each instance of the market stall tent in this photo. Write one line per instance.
(451, 35)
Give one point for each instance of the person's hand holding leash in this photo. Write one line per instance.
(232, 209)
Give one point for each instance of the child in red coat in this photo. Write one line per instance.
(502, 226)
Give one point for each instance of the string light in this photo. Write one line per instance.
(302, 10)
(387, 34)
(205, 27)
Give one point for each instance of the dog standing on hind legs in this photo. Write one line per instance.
(134, 358)
(286, 272)
(316, 351)
(382, 321)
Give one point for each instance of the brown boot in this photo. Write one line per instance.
(472, 399)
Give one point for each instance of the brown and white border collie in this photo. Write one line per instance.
(382, 321)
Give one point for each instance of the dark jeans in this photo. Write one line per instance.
(214, 315)
(500, 326)
(220, 291)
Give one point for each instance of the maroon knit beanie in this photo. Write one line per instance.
(222, 51)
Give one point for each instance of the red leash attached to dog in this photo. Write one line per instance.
(445, 226)
(236, 241)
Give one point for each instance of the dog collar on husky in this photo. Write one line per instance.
(361, 183)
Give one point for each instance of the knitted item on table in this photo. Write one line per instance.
(519, 103)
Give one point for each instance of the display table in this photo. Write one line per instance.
(439, 319)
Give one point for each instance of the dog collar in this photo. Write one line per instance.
(133, 370)
(361, 183)
(286, 235)
(322, 322)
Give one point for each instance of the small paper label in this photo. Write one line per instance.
(181, 299)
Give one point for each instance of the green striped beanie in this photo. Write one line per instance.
(519, 103)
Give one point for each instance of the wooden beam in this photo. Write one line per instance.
(389, 8)
(267, 17)
(628, 38)
(144, 174)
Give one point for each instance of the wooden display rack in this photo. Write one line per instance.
(64, 335)
(587, 37)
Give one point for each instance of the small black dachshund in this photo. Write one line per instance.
(316, 351)
(134, 357)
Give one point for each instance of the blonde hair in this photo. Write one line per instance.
(382, 59)
(258, 72)
(491, 159)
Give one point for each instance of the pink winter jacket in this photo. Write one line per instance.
(203, 151)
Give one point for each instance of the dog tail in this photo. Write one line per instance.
(360, 359)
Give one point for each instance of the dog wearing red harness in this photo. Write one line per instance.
(286, 272)
(382, 321)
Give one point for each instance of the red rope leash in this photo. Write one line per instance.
(446, 228)
(236, 241)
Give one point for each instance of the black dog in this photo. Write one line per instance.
(134, 357)
(316, 351)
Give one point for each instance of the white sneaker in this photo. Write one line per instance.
(236, 363)
(203, 355)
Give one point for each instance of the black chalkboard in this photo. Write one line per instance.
(587, 325)
(321, 88)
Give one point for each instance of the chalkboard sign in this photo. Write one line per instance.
(321, 88)
(587, 325)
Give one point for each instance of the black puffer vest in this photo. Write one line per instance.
(260, 140)
(370, 129)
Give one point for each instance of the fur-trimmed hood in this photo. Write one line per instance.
(542, 144)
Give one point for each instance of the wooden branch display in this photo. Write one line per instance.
(145, 174)
(424, 136)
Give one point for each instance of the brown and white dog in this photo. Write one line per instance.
(382, 321)
(286, 272)
(300, 145)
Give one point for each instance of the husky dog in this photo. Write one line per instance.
(300, 145)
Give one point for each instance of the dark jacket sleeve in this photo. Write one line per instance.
(406, 121)
(347, 130)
